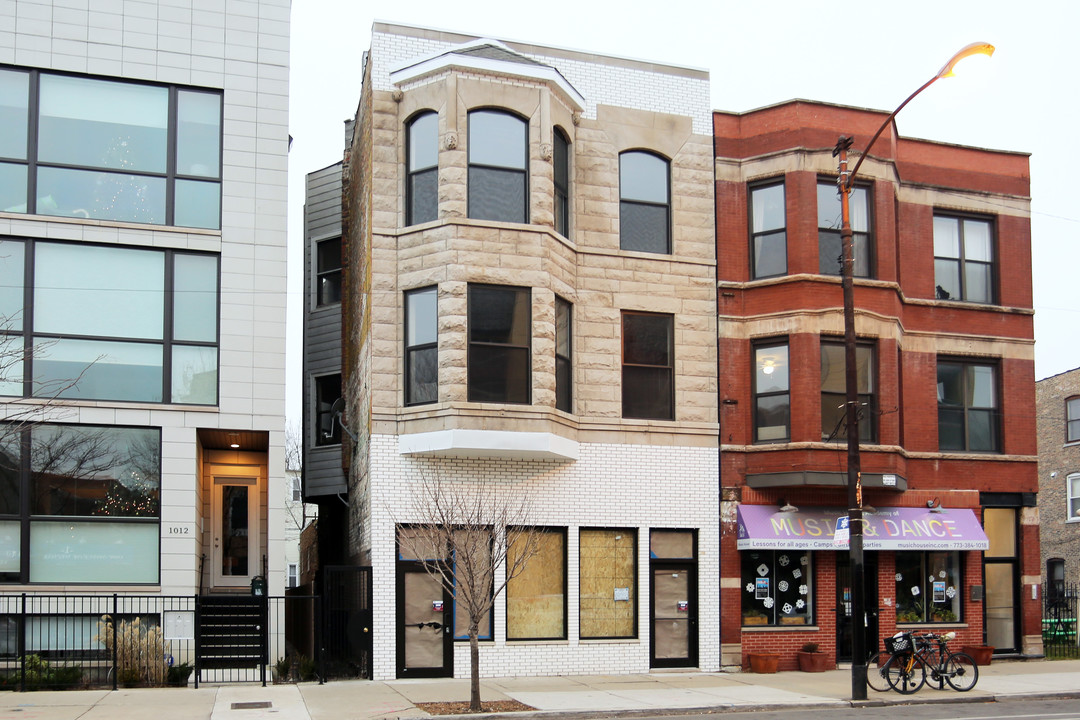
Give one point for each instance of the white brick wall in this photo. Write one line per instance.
(600, 84)
(610, 485)
(242, 48)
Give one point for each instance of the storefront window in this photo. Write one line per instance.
(777, 587)
(927, 587)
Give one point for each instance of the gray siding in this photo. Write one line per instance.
(322, 330)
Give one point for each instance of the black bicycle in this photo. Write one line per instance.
(912, 656)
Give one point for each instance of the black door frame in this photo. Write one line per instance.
(405, 567)
(689, 567)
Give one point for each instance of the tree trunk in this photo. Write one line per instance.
(474, 668)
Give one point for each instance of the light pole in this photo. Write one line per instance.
(845, 183)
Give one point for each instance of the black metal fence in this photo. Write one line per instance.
(1059, 625)
(58, 642)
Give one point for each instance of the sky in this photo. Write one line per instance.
(863, 54)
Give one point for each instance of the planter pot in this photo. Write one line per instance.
(813, 661)
(755, 621)
(764, 662)
(982, 654)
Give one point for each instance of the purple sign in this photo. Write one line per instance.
(888, 528)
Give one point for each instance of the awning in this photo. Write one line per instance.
(887, 528)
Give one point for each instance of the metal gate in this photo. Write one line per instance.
(346, 622)
(1059, 620)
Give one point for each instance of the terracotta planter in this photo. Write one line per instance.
(813, 661)
(764, 662)
(982, 654)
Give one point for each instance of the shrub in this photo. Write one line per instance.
(307, 668)
(140, 651)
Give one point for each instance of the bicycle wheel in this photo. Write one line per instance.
(961, 672)
(903, 680)
(875, 671)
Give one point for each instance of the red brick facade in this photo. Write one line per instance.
(909, 181)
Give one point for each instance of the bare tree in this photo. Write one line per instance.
(461, 532)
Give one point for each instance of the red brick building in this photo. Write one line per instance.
(943, 304)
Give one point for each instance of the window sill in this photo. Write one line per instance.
(609, 641)
(542, 641)
(780, 628)
(99, 222)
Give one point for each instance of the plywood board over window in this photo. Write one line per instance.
(608, 570)
(536, 598)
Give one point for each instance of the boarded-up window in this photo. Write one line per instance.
(536, 598)
(420, 543)
(671, 544)
(608, 583)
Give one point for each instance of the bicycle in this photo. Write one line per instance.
(912, 655)
(876, 678)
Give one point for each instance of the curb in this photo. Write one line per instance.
(763, 707)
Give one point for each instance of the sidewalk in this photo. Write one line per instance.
(580, 696)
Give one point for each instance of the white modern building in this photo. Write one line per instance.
(143, 166)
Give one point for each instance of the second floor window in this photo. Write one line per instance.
(422, 183)
(89, 147)
(830, 244)
(328, 272)
(768, 231)
(967, 407)
(834, 392)
(422, 346)
(963, 259)
(498, 158)
(1072, 419)
(648, 372)
(772, 393)
(110, 322)
(644, 203)
(564, 378)
(500, 334)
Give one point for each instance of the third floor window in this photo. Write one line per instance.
(422, 183)
(963, 259)
(768, 231)
(328, 272)
(644, 203)
(498, 158)
(830, 247)
(834, 392)
(89, 147)
(1072, 419)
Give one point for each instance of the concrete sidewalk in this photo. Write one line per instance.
(582, 696)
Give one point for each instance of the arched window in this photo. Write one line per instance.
(644, 203)
(498, 157)
(561, 177)
(422, 183)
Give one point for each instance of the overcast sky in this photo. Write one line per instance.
(865, 54)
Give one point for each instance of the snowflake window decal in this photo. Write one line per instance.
(796, 573)
(800, 603)
(941, 574)
(763, 570)
(784, 560)
(803, 590)
(950, 592)
(804, 560)
(787, 608)
(768, 602)
(782, 586)
(899, 577)
(749, 587)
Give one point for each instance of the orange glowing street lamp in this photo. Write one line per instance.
(845, 182)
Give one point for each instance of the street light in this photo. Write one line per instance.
(845, 182)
